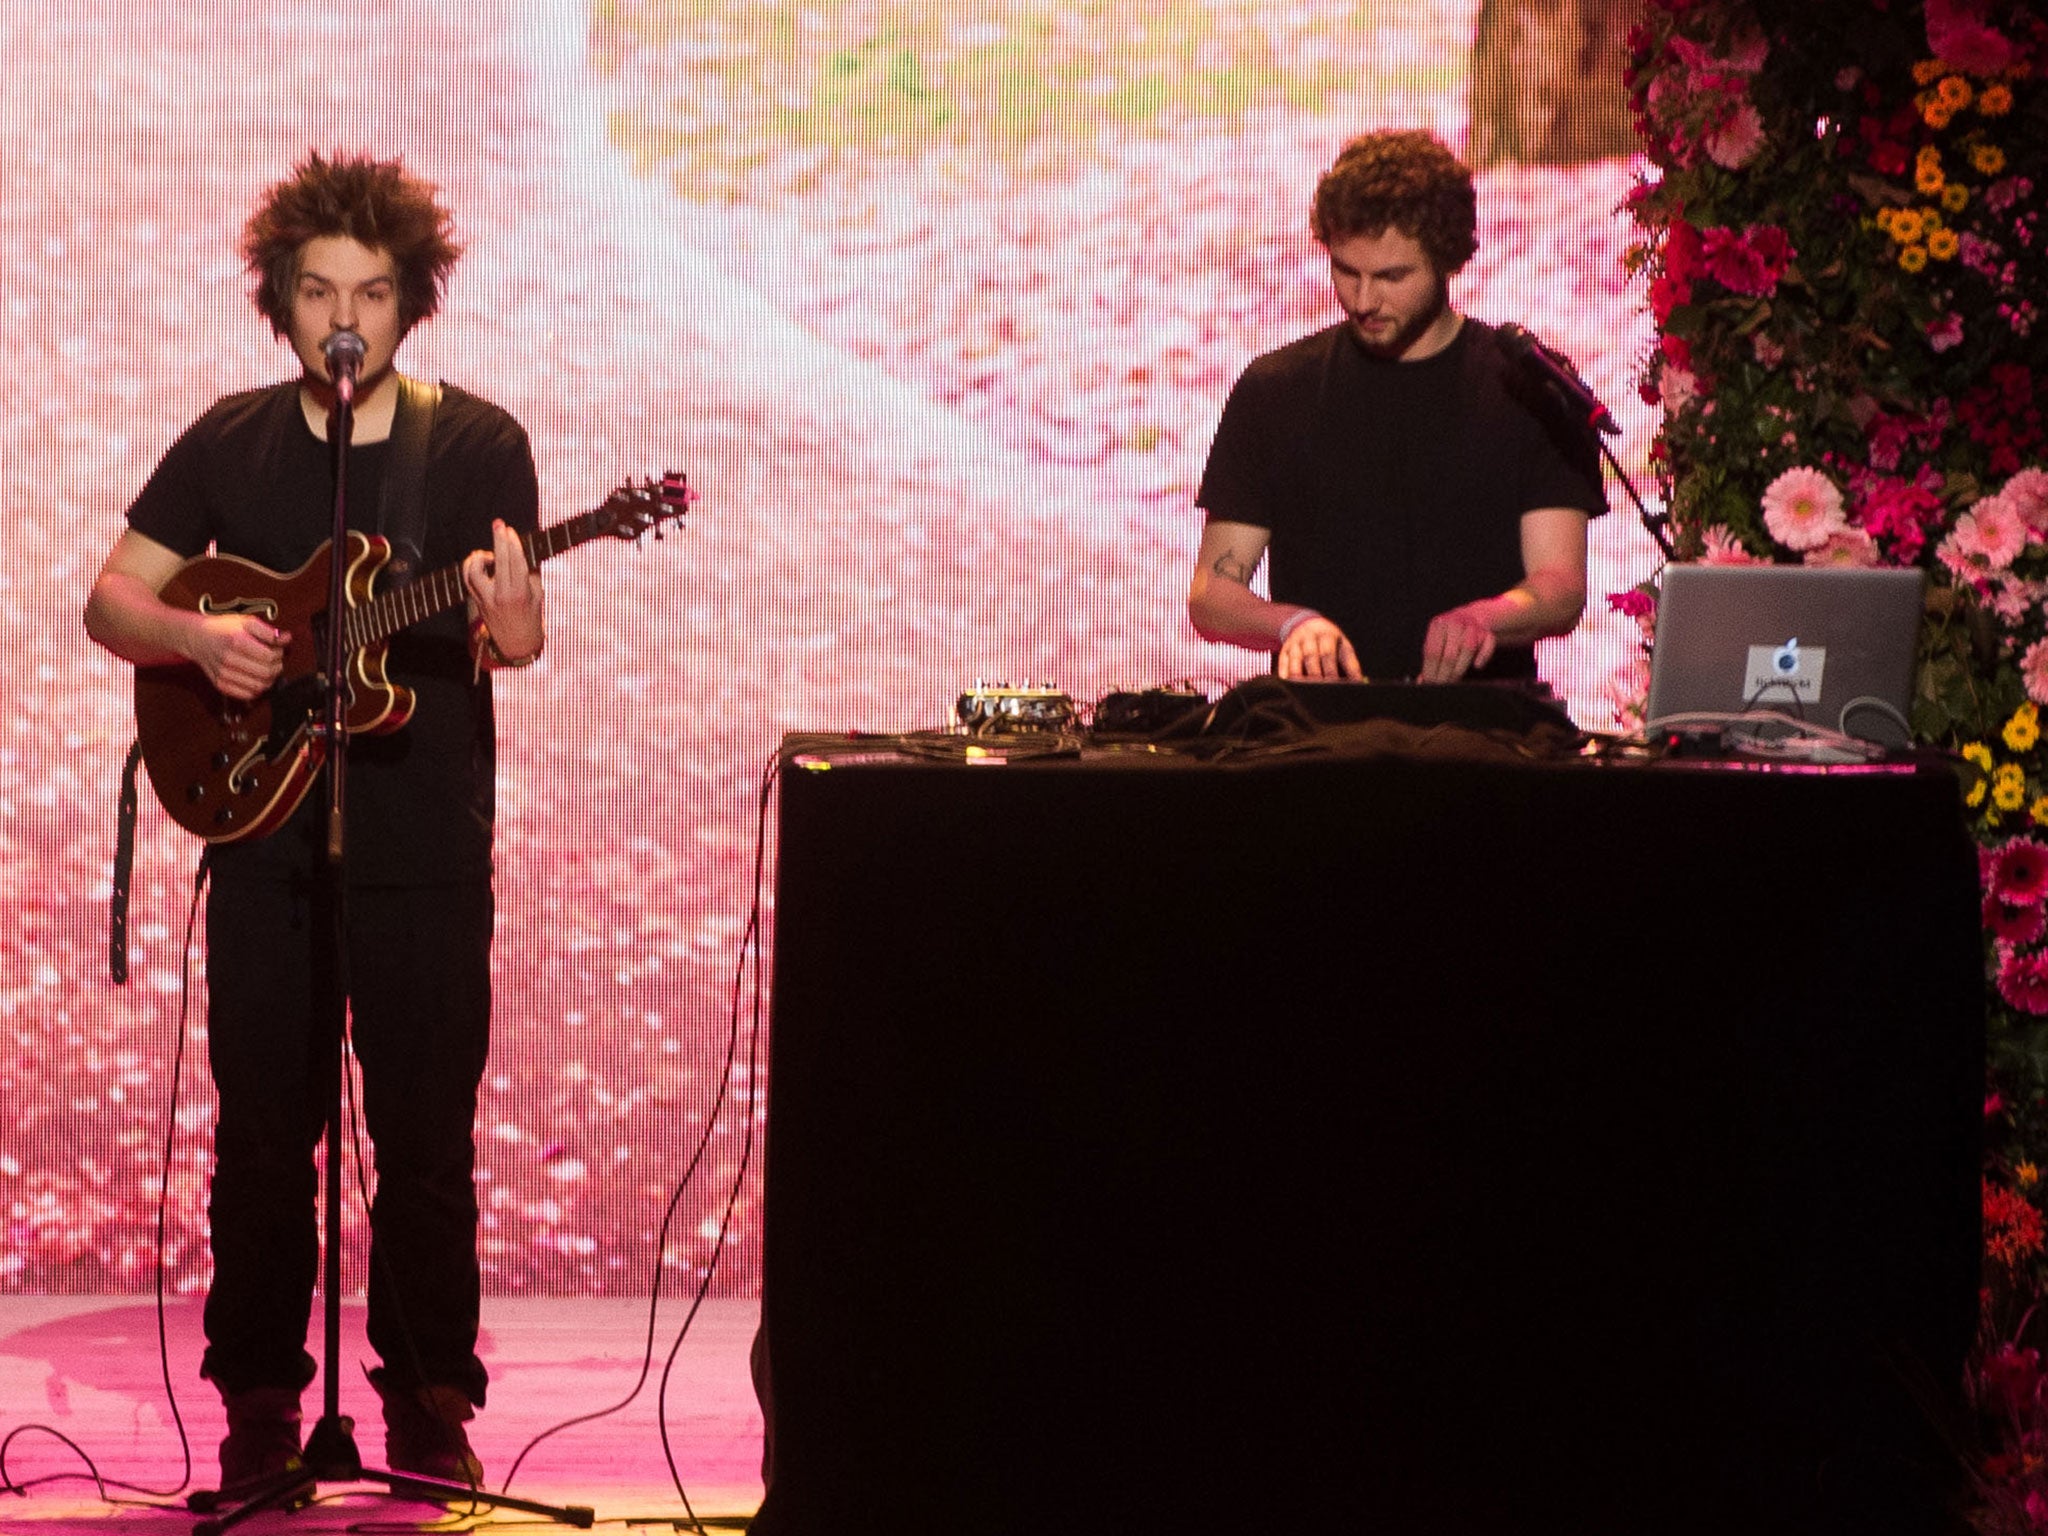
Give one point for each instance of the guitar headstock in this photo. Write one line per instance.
(632, 509)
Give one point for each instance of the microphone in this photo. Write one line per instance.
(344, 353)
(1553, 370)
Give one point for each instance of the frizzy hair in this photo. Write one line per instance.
(377, 203)
(1402, 179)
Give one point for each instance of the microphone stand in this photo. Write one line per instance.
(330, 1455)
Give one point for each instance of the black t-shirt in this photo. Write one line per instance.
(1393, 491)
(250, 479)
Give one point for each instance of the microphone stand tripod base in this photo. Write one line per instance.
(331, 1457)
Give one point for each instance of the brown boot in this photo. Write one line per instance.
(263, 1435)
(423, 1433)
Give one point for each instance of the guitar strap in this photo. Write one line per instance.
(402, 519)
(402, 507)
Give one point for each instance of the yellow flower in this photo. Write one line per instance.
(1943, 244)
(1975, 797)
(2026, 1175)
(1989, 159)
(2039, 811)
(1914, 258)
(2024, 728)
(1976, 752)
(2009, 787)
(1955, 197)
(1927, 71)
(1954, 92)
(1995, 100)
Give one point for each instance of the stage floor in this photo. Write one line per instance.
(87, 1367)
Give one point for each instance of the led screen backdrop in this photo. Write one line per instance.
(936, 304)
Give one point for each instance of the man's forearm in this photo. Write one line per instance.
(1231, 613)
(1534, 609)
(128, 618)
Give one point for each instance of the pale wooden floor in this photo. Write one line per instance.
(88, 1368)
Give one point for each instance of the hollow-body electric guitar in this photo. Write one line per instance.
(229, 770)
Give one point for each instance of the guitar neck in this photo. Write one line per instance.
(438, 591)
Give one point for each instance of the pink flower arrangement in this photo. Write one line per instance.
(1945, 332)
(1803, 509)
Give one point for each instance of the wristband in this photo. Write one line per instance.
(1300, 617)
(482, 642)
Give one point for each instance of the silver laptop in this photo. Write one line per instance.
(1829, 645)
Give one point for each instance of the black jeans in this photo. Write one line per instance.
(419, 1004)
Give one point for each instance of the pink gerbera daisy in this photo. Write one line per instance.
(2027, 492)
(1735, 142)
(2034, 671)
(2016, 926)
(1997, 531)
(2019, 873)
(1803, 509)
(1846, 546)
(1720, 546)
(2023, 981)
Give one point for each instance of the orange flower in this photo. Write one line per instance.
(1906, 226)
(1955, 197)
(1943, 244)
(2013, 1229)
(1995, 100)
(1929, 180)
(1989, 159)
(1914, 258)
(1954, 92)
(1927, 71)
(1937, 116)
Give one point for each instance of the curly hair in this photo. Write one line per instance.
(1400, 179)
(374, 202)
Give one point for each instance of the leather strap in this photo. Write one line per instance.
(124, 870)
(402, 506)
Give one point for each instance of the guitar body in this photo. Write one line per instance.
(227, 770)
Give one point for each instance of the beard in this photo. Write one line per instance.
(1393, 342)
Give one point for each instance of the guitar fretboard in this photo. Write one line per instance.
(387, 613)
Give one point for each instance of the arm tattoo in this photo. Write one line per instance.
(1231, 568)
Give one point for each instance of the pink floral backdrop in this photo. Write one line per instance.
(935, 304)
(1842, 238)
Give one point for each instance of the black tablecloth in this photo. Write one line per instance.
(1422, 1145)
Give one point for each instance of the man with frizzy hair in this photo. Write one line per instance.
(1424, 515)
(347, 244)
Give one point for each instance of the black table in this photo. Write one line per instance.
(1420, 1145)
